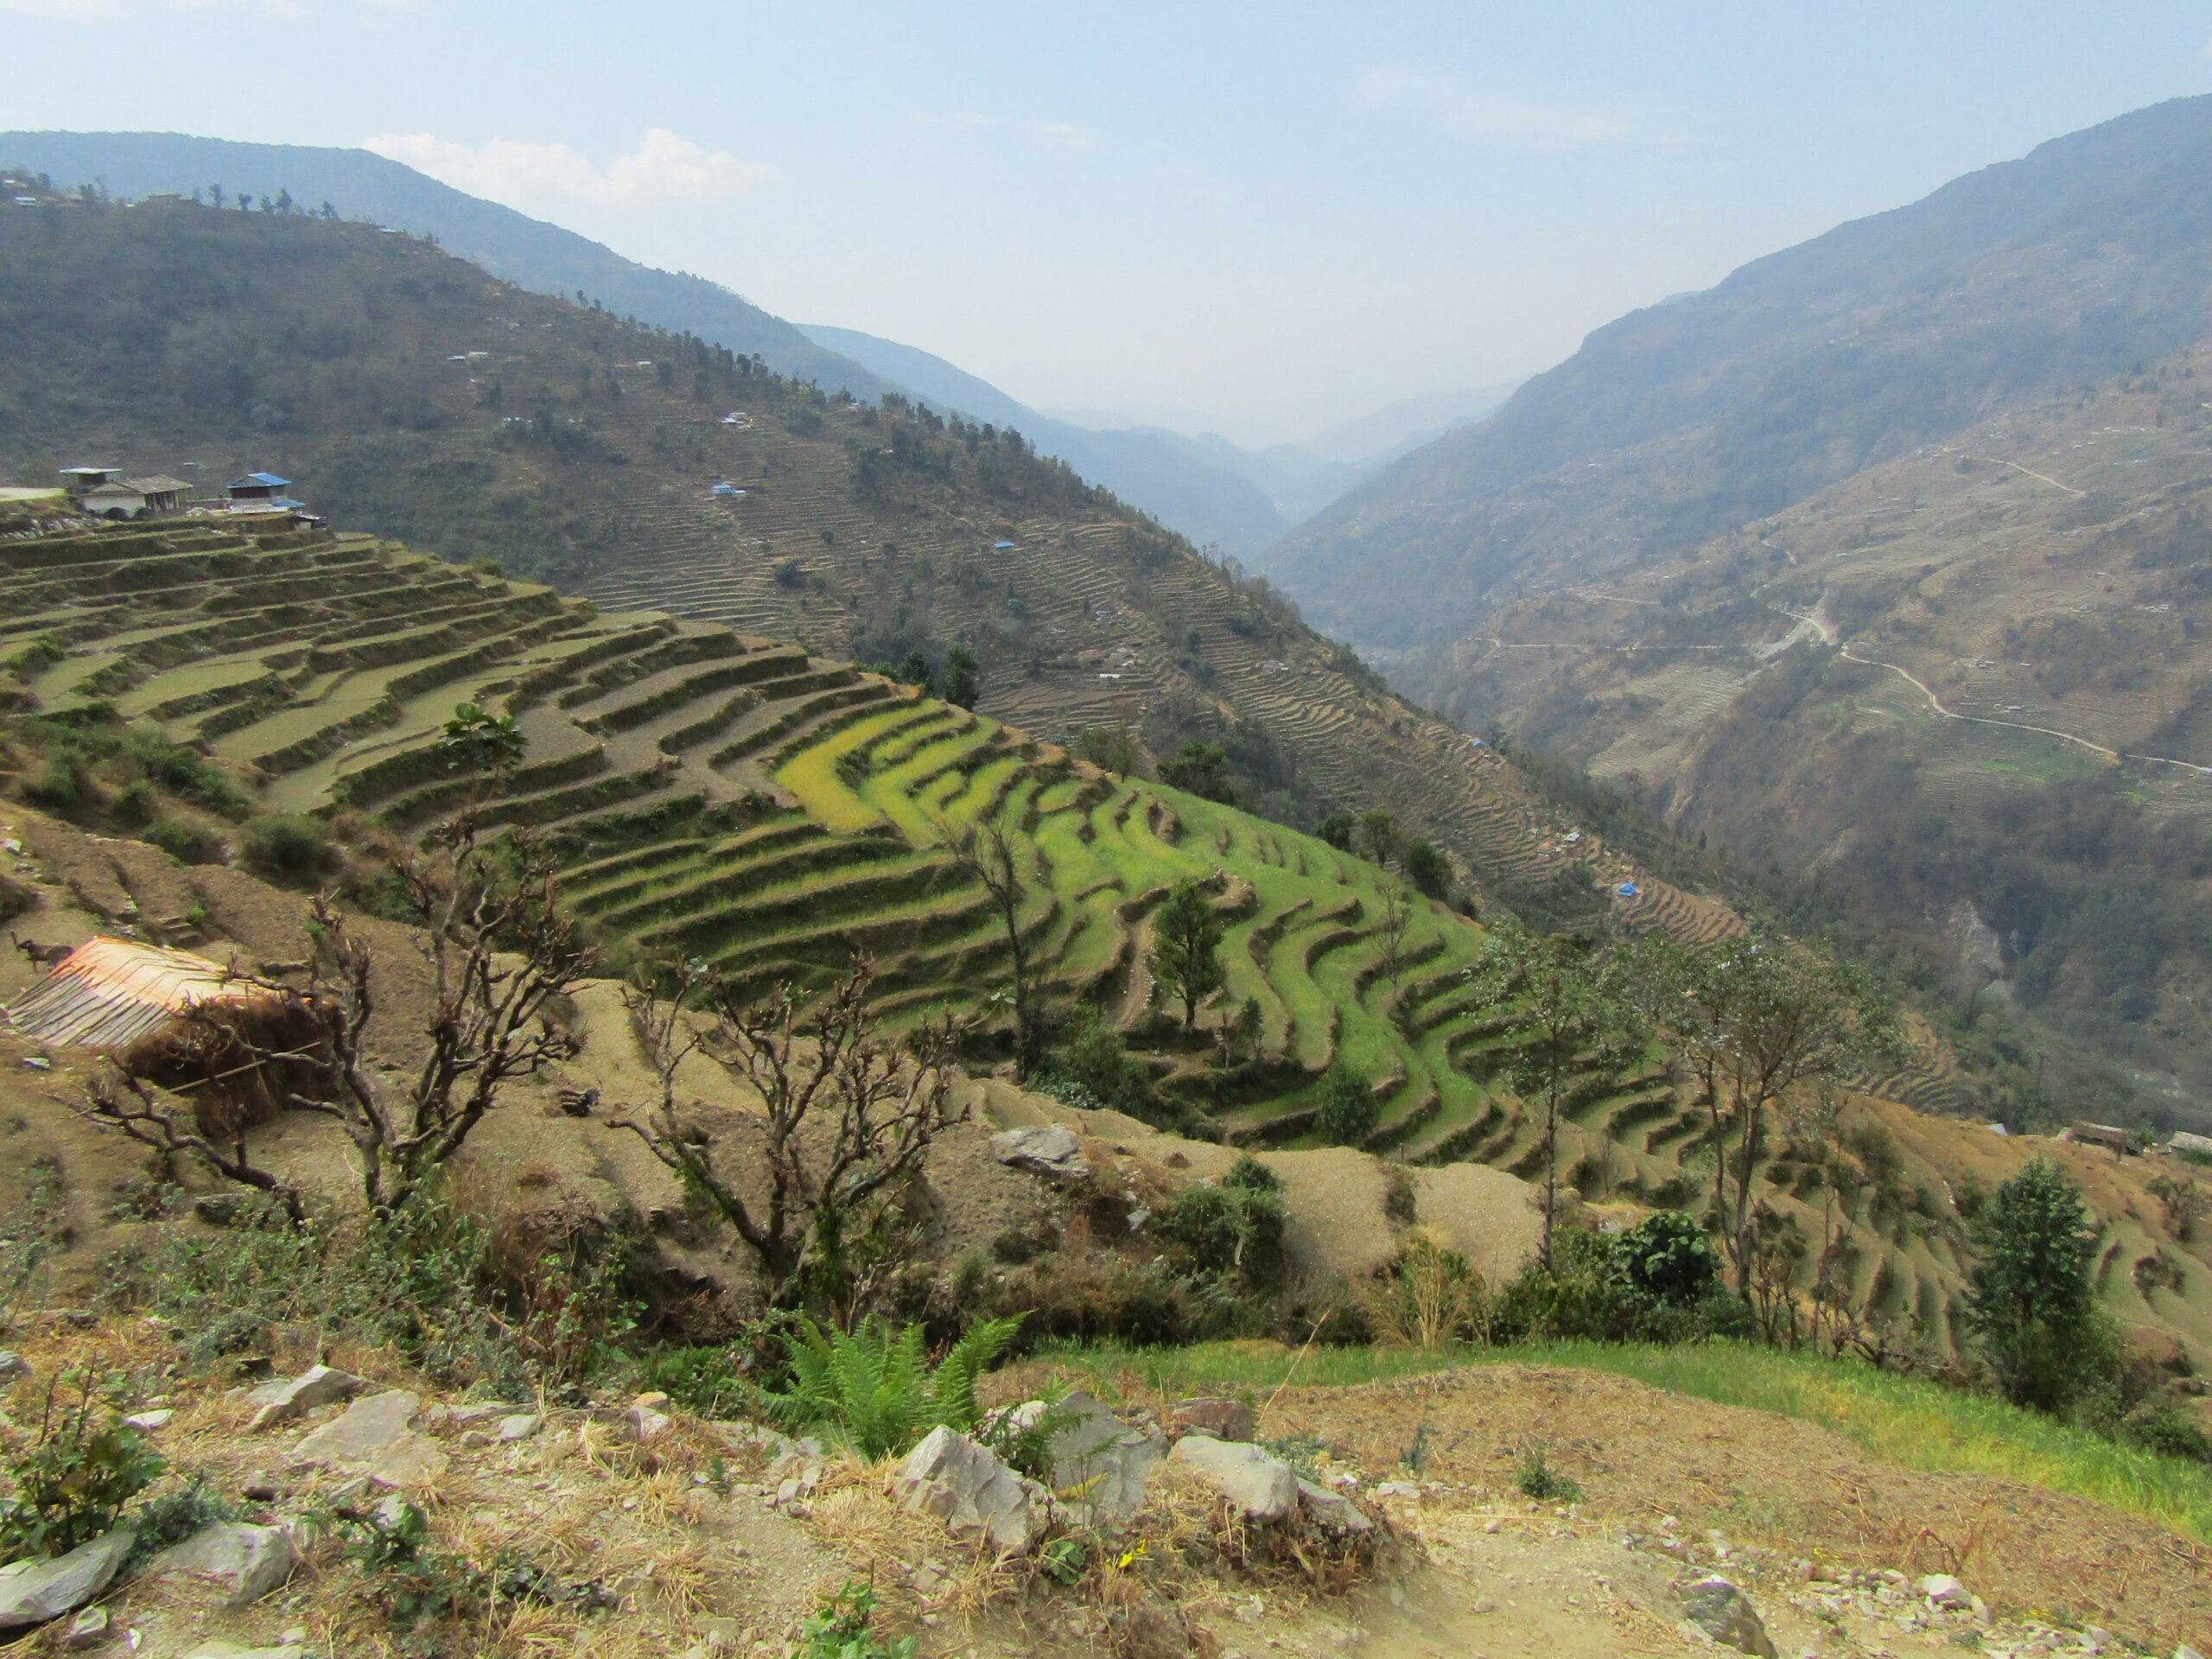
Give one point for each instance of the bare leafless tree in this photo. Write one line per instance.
(850, 1112)
(987, 851)
(132, 1106)
(501, 954)
(1391, 928)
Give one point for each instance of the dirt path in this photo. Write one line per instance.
(1641, 1453)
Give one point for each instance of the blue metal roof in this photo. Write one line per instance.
(1000, 547)
(1626, 890)
(266, 480)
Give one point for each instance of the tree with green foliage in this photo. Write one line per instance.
(1186, 935)
(1348, 1109)
(1250, 1025)
(487, 747)
(1339, 829)
(1571, 1012)
(1427, 868)
(1756, 1023)
(1111, 749)
(1380, 841)
(914, 669)
(1200, 768)
(964, 678)
(2031, 1306)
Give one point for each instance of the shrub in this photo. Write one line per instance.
(877, 1389)
(187, 773)
(286, 847)
(2166, 1429)
(1666, 1259)
(136, 806)
(1428, 1296)
(72, 1476)
(1232, 1233)
(61, 784)
(1348, 1110)
(185, 842)
(842, 1627)
(1095, 1059)
(1539, 1480)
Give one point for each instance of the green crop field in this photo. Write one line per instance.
(718, 796)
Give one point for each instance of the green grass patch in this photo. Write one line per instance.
(1907, 1421)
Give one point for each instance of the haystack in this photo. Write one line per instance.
(183, 1022)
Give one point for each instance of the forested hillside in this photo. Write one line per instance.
(1201, 494)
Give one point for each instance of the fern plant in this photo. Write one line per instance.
(875, 1388)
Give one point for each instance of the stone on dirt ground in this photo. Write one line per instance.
(295, 1396)
(1265, 1488)
(1051, 1151)
(965, 1486)
(34, 1591)
(241, 1563)
(377, 1436)
(1725, 1613)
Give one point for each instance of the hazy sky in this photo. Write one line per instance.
(1276, 215)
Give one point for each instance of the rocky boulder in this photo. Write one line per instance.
(1225, 1419)
(34, 1591)
(295, 1396)
(1332, 1512)
(965, 1486)
(1052, 1151)
(1726, 1614)
(1100, 1463)
(240, 1563)
(1263, 1488)
(378, 1436)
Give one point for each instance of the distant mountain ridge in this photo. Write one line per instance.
(1685, 419)
(1209, 488)
(1883, 561)
(1177, 481)
(509, 245)
(1168, 475)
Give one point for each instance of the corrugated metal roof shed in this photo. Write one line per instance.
(108, 992)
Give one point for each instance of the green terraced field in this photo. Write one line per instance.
(720, 795)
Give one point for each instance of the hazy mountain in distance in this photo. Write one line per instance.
(1180, 485)
(1681, 421)
(1378, 439)
(509, 245)
(1301, 476)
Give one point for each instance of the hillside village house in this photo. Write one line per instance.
(104, 492)
(263, 495)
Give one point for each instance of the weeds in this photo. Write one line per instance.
(72, 1477)
(844, 1628)
(877, 1389)
(1537, 1479)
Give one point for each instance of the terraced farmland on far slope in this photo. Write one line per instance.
(717, 795)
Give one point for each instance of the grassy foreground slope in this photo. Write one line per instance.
(408, 393)
(715, 794)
